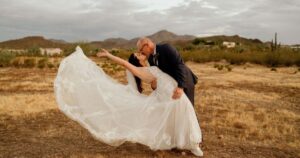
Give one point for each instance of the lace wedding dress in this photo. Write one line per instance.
(114, 113)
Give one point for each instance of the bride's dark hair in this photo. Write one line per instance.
(135, 61)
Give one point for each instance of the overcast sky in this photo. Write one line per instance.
(74, 20)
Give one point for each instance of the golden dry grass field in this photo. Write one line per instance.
(248, 112)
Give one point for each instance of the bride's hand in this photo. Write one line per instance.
(103, 53)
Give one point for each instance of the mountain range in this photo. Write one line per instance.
(160, 36)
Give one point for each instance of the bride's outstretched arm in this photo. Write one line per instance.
(137, 71)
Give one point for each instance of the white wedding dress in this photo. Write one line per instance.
(114, 113)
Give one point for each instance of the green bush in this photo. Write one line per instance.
(29, 63)
(6, 58)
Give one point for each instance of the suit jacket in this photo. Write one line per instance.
(170, 62)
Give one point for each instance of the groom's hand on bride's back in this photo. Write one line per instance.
(177, 93)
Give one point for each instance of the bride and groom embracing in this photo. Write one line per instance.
(114, 113)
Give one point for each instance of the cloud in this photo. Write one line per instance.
(74, 20)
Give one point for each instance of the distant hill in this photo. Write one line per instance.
(111, 43)
(33, 41)
(234, 38)
(59, 41)
(165, 35)
(160, 36)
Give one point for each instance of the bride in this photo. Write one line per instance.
(114, 113)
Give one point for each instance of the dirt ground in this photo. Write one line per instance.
(248, 112)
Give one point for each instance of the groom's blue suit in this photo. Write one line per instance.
(168, 59)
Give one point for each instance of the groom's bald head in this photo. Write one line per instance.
(143, 40)
(145, 46)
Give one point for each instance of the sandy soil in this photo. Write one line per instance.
(247, 112)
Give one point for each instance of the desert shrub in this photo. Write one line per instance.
(86, 47)
(42, 62)
(235, 58)
(16, 62)
(6, 58)
(220, 67)
(189, 47)
(282, 57)
(216, 65)
(57, 55)
(197, 41)
(115, 51)
(239, 49)
(273, 69)
(29, 62)
(228, 67)
(123, 54)
(272, 59)
(34, 51)
(50, 65)
(68, 51)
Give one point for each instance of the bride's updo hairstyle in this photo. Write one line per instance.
(135, 61)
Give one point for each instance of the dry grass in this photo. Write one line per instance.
(247, 112)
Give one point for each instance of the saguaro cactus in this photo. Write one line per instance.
(274, 45)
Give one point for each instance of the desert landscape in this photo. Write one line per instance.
(245, 111)
(246, 55)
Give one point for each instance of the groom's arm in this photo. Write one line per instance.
(176, 62)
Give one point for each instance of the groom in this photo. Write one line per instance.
(168, 59)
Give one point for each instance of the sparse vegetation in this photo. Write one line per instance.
(221, 66)
(42, 63)
(33, 51)
(273, 69)
(243, 113)
(199, 50)
(228, 67)
(283, 57)
(5, 58)
(16, 62)
(29, 62)
(244, 110)
(50, 65)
